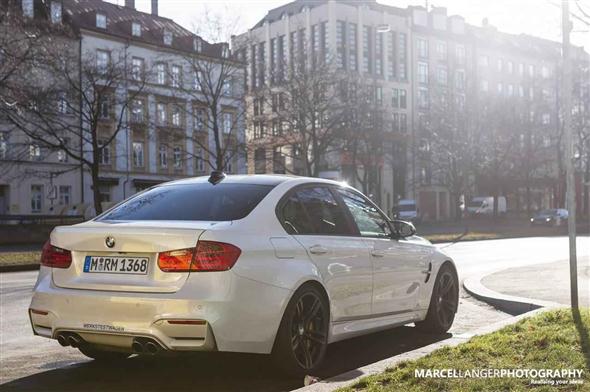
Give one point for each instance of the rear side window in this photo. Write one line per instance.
(191, 202)
(315, 211)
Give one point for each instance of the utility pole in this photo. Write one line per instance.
(569, 164)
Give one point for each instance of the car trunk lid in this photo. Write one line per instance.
(136, 240)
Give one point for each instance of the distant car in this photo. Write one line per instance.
(551, 217)
(484, 206)
(260, 264)
(407, 210)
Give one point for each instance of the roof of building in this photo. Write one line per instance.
(82, 15)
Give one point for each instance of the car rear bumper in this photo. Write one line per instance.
(240, 315)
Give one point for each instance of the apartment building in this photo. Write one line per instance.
(164, 133)
(420, 62)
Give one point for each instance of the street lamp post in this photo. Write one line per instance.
(569, 169)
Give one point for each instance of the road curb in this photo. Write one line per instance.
(508, 303)
(352, 376)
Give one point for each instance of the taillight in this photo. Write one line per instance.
(207, 256)
(55, 257)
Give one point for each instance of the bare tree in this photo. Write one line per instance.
(74, 105)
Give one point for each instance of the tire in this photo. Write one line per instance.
(443, 302)
(302, 339)
(103, 355)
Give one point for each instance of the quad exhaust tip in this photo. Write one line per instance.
(145, 346)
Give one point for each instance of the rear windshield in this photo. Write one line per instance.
(191, 202)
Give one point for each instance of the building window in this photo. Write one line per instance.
(137, 111)
(391, 55)
(546, 119)
(199, 160)
(199, 119)
(500, 88)
(227, 87)
(161, 73)
(423, 73)
(104, 111)
(198, 80)
(138, 154)
(177, 157)
(36, 198)
(520, 91)
(379, 46)
(104, 152)
(137, 65)
(510, 67)
(510, 90)
(484, 86)
(65, 195)
(484, 61)
(176, 76)
(28, 8)
(341, 44)
(3, 145)
(34, 152)
(176, 120)
(197, 44)
(441, 51)
(161, 113)
(61, 154)
(531, 70)
(403, 123)
(379, 95)
(422, 48)
(352, 47)
(402, 56)
(500, 65)
(545, 72)
(442, 76)
(403, 101)
(167, 38)
(103, 59)
(62, 103)
(101, 21)
(460, 54)
(367, 49)
(227, 123)
(163, 156)
(56, 12)
(136, 29)
(423, 98)
(395, 98)
(460, 79)
(105, 193)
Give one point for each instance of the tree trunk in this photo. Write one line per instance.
(96, 189)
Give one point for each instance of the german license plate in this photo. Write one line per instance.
(116, 265)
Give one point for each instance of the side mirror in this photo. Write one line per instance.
(403, 229)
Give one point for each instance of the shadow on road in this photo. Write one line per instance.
(218, 371)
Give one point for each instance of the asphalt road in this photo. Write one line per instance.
(28, 362)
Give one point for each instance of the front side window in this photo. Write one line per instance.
(314, 210)
(191, 202)
(370, 222)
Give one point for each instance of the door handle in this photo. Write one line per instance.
(377, 253)
(318, 250)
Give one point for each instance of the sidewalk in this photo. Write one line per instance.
(546, 282)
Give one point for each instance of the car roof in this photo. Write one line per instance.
(255, 179)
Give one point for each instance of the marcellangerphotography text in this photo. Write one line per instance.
(536, 376)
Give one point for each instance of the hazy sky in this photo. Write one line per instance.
(535, 17)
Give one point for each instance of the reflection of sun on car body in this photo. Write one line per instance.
(261, 264)
(550, 217)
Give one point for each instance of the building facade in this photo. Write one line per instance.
(162, 134)
(436, 76)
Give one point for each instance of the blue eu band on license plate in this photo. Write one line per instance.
(116, 265)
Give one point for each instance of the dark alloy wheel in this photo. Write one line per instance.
(443, 303)
(303, 335)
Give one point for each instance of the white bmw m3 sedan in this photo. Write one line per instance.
(261, 264)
